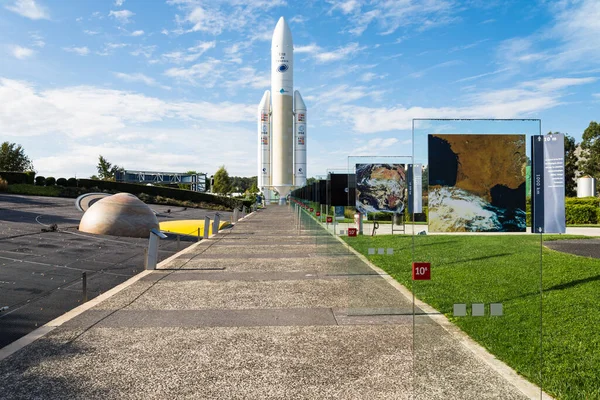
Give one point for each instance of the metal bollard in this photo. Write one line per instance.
(206, 226)
(84, 286)
(198, 234)
(243, 211)
(216, 223)
(235, 215)
(152, 251)
(178, 242)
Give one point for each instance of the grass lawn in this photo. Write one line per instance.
(506, 269)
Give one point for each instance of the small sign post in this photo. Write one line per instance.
(329, 220)
(352, 232)
(421, 271)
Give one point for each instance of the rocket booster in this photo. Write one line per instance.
(282, 131)
(300, 141)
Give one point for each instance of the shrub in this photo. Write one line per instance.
(61, 182)
(13, 178)
(30, 177)
(582, 214)
(349, 212)
(50, 181)
(3, 185)
(40, 180)
(72, 182)
(379, 216)
(582, 201)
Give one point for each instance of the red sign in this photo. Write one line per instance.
(318, 213)
(352, 232)
(329, 219)
(421, 271)
(312, 209)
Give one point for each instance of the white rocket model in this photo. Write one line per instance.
(282, 125)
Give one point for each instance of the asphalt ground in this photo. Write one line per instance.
(261, 311)
(41, 272)
(579, 247)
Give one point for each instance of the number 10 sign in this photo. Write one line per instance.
(421, 271)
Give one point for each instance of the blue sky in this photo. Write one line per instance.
(174, 85)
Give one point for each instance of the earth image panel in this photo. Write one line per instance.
(477, 183)
(380, 188)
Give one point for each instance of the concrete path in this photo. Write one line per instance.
(258, 312)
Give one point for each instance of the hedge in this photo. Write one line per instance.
(61, 182)
(50, 181)
(13, 178)
(177, 194)
(582, 214)
(40, 180)
(72, 182)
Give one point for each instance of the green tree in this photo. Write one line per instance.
(107, 171)
(253, 189)
(310, 181)
(13, 158)
(222, 182)
(590, 151)
(570, 167)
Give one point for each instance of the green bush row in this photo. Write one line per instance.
(15, 178)
(582, 214)
(50, 181)
(172, 193)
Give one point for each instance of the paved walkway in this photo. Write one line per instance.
(258, 312)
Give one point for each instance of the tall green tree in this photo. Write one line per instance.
(590, 151)
(107, 171)
(570, 166)
(222, 182)
(13, 158)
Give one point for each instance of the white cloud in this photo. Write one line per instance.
(310, 48)
(578, 29)
(37, 40)
(571, 38)
(145, 51)
(22, 52)
(91, 33)
(82, 51)
(28, 9)
(597, 95)
(523, 100)
(215, 17)
(247, 77)
(141, 78)
(298, 19)
(474, 77)
(119, 3)
(446, 64)
(109, 48)
(192, 53)
(374, 146)
(350, 50)
(391, 15)
(86, 111)
(205, 73)
(137, 33)
(123, 16)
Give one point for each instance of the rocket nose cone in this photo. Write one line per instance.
(282, 30)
